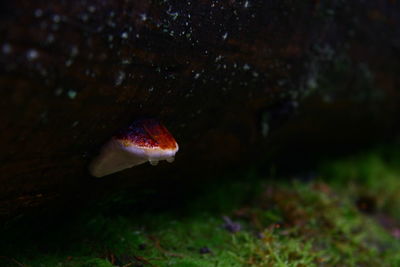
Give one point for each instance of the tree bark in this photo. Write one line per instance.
(219, 74)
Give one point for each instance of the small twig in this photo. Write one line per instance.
(142, 259)
(112, 260)
(158, 246)
(14, 261)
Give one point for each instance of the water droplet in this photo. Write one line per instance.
(174, 15)
(68, 63)
(225, 36)
(32, 54)
(74, 51)
(126, 61)
(218, 58)
(72, 94)
(312, 83)
(84, 17)
(120, 78)
(38, 13)
(143, 17)
(264, 129)
(58, 91)
(50, 38)
(124, 35)
(6, 49)
(56, 18)
(153, 162)
(170, 160)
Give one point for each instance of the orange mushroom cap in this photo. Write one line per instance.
(144, 140)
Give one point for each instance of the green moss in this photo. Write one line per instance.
(368, 176)
(283, 223)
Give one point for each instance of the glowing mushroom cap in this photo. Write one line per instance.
(144, 140)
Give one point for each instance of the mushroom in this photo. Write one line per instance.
(144, 140)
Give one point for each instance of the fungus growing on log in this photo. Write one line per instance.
(144, 140)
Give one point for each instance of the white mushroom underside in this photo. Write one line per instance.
(115, 157)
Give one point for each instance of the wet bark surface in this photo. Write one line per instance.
(221, 75)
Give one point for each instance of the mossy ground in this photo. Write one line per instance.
(343, 215)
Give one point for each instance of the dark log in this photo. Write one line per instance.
(219, 74)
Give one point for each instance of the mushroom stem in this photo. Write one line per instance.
(113, 158)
